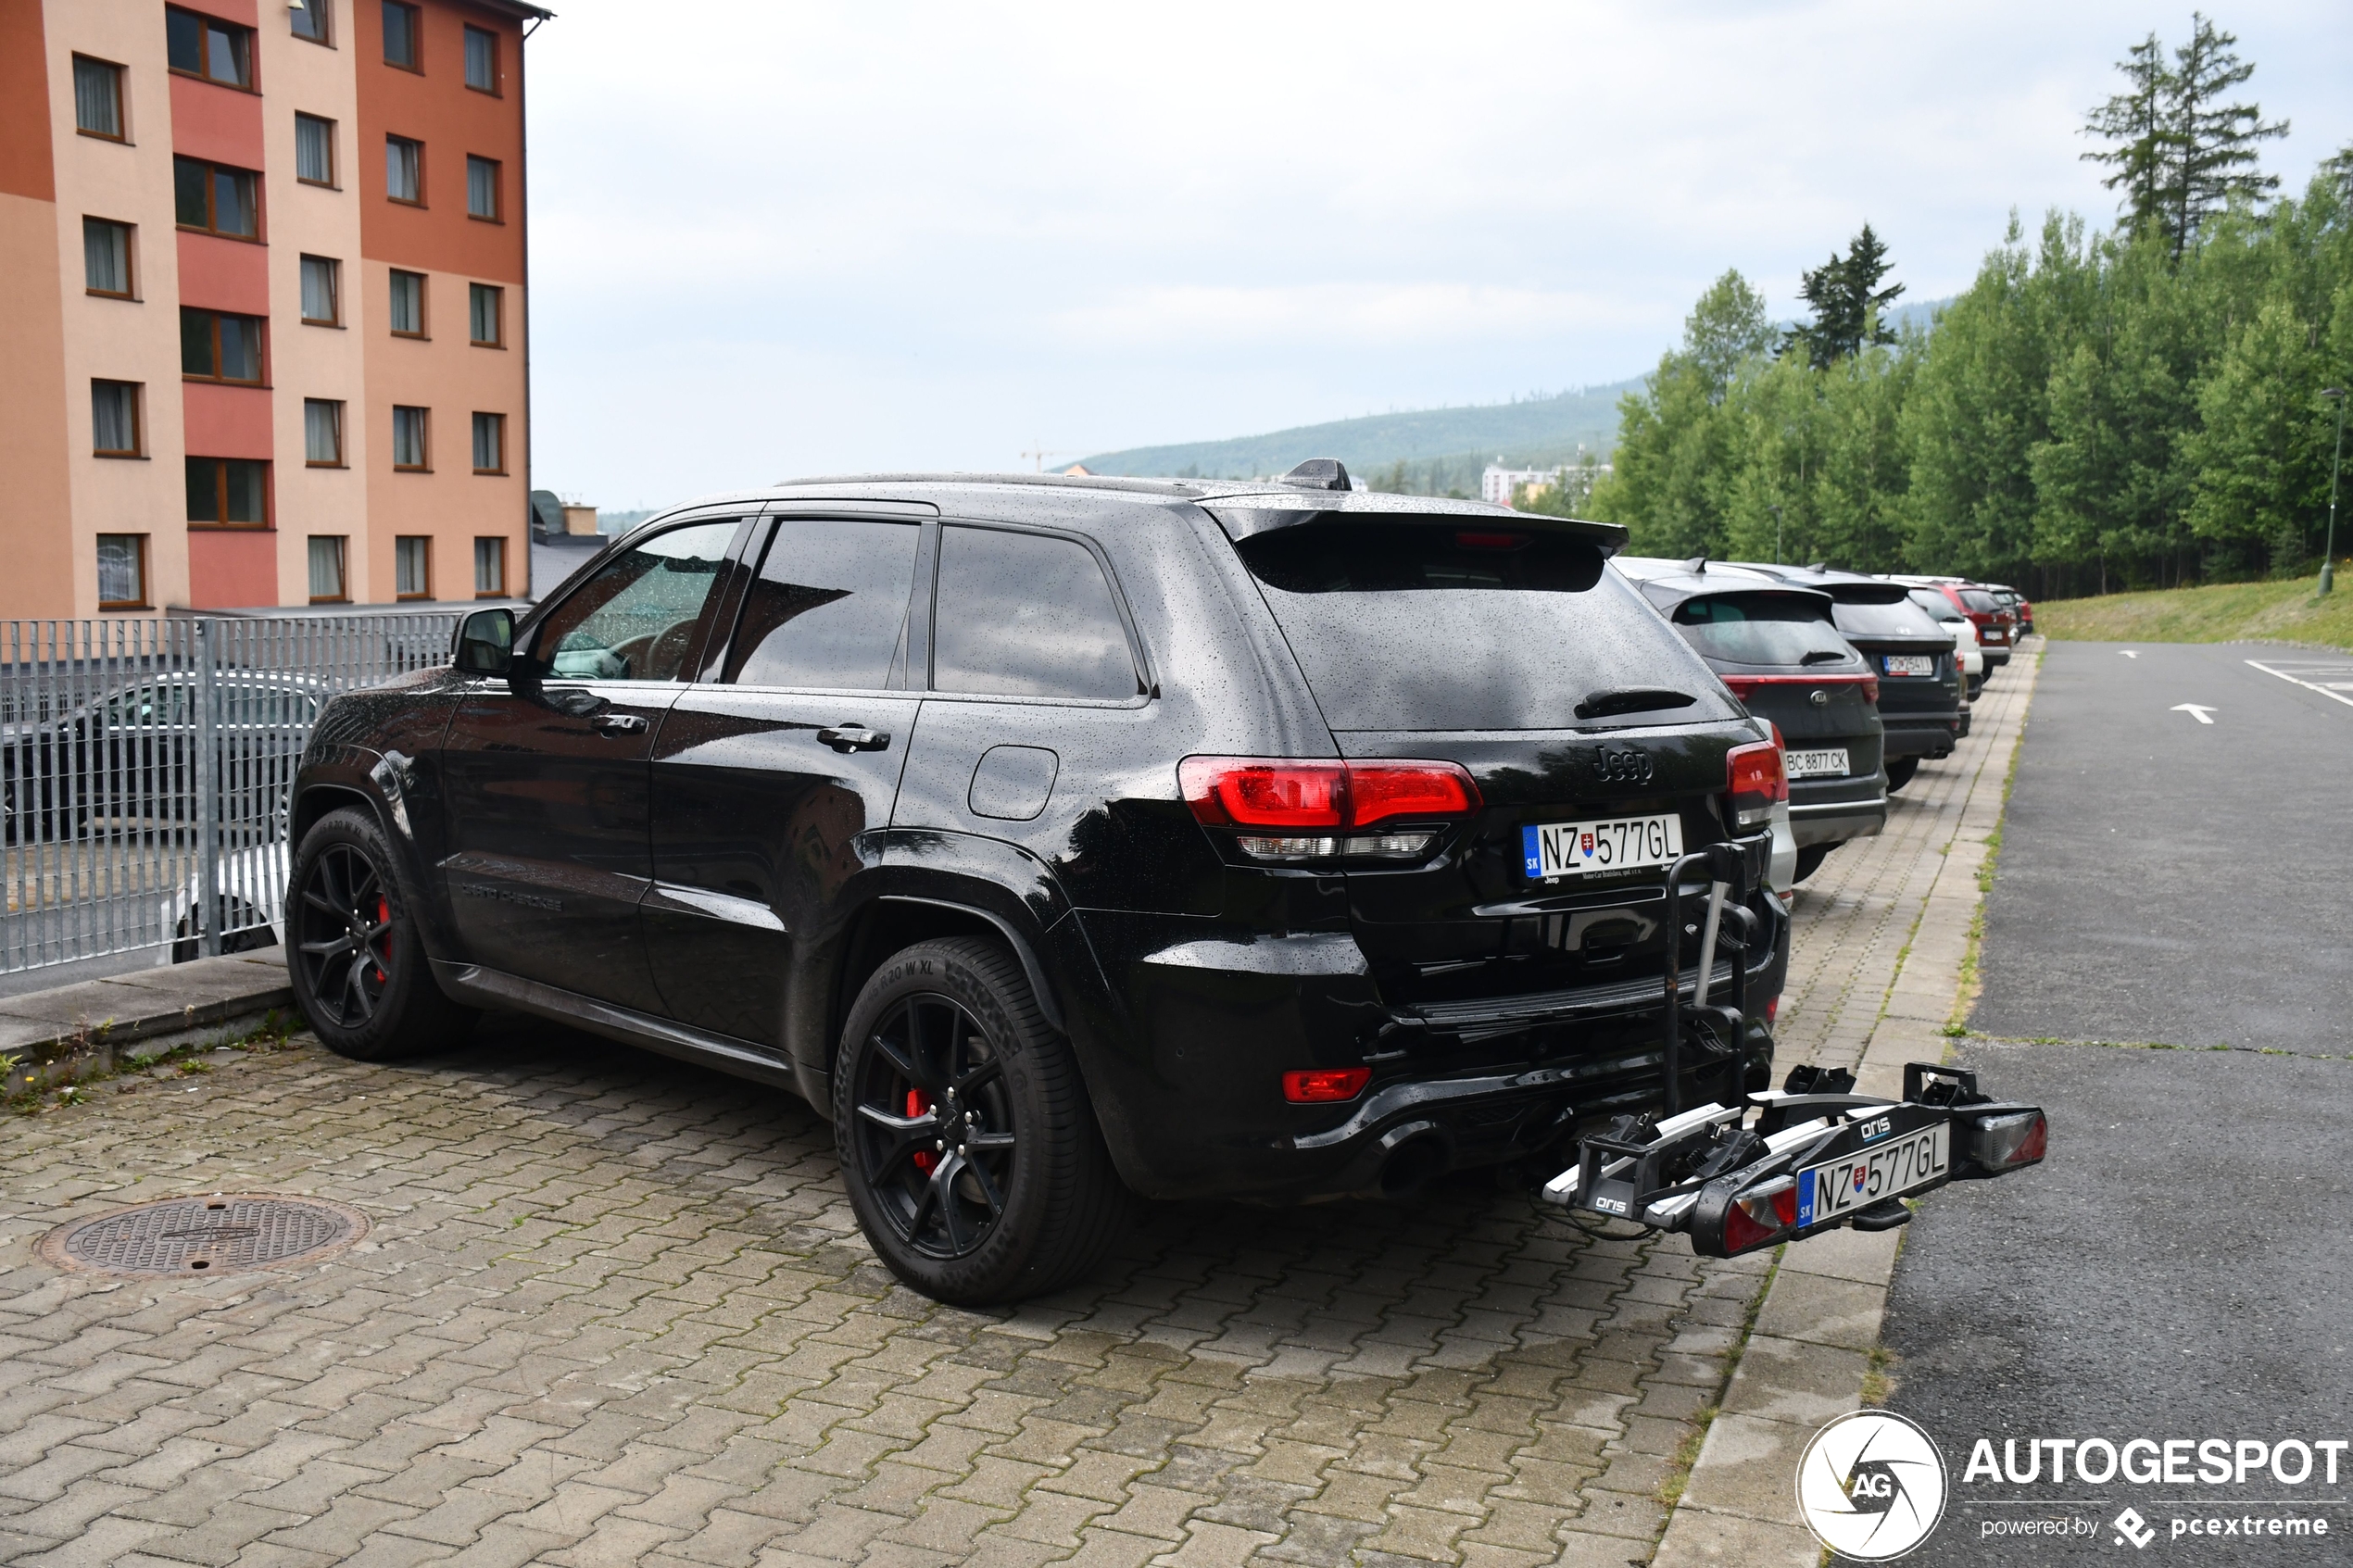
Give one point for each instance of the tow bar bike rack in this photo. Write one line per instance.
(1754, 1170)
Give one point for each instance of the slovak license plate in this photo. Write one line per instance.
(1620, 844)
(1871, 1175)
(1910, 664)
(1831, 763)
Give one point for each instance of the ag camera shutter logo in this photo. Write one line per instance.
(1871, 1486)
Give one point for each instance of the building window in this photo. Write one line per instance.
(482, 59)
(218, 347)
(486, 313)
(326, 568)
(409, 448)
(321, 292)
(482, 187)
(209, 48)
(412, 567)
(403, 46)
(490, 569)
(105, 257)
(314, 20)
(321, 433)
(97, 98)
(405, 171)
(228, 491)
(314, 150)
(122, 571)
(490, 444)
(407, 304)
(114, 419)
(214, 199)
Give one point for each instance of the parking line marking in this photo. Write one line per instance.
(2334, 697)
(2202, 714)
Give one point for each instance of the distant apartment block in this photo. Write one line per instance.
(1498, 485)
(265, 327)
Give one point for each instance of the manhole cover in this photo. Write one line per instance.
(226, 1232)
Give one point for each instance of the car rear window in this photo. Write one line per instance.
(1938, 606)
(1980, 600)
(1761, 629)
(1418, 626)
(1901, 619)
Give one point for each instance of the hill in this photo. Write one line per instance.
(1537, 432)
(2223, 612)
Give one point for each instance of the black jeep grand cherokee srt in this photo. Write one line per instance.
(1062, 837)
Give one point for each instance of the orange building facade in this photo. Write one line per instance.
(266, 342)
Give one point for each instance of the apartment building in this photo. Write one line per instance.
(264, 343)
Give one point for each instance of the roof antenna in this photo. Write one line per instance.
(1697, 566)
(1318, 473)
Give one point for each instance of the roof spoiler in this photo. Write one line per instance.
(1246, 517)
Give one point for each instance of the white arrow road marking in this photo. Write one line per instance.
(2307, 686)
(2195, 712)
(2128, 653)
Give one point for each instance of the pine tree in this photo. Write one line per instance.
(2181, 154)
(1845, 298)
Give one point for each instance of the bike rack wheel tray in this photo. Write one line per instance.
(1811, 1156)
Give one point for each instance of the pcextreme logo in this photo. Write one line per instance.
(1871, 1486)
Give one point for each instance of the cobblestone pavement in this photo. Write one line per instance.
(615, 1310)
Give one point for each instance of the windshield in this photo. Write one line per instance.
(1901, 619)
(1422, 627)
(1761, 629)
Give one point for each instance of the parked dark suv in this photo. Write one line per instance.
(1063, 837)
(1922, 702)
(1775, 646)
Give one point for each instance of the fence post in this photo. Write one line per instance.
(208, 760)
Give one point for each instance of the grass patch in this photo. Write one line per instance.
(1679, 1473)
(2223, 612)
(1879, 1382)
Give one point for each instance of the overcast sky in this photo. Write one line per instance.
(773, 239)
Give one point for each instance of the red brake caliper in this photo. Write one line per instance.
(919, 1104)
(383, 916)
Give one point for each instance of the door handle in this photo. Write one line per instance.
(618, 724)
(855, 737)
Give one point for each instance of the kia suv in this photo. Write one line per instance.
(1775, 646)
(1922, 699)
(1061, 838)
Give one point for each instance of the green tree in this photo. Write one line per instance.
(1846, 300)
(2260, 459)
(2134, 124)
(2182, 154)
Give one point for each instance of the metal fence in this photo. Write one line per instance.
(145, 766)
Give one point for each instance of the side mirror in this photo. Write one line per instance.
(485, 642)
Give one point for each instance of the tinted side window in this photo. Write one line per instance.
(829, 606)
(1024, 615)
(634, 619)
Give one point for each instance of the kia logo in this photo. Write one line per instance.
(1819, 697)
(1624, 767)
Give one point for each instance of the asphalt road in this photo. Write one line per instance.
(2163, 880)
(2180, 1265)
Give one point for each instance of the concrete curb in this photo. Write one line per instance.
(1805, 1359)
(75, 1030)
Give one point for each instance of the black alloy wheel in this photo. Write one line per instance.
(969, 1148)
(935, 1139)
(346, 953)
(360, 974)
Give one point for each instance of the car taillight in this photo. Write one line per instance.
(1760, 1214)
(1255, 792)
(2010, 1141)
(1746, 686)
(1321, 1085)
(1758, 782)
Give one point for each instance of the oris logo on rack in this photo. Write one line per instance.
(1623, 766)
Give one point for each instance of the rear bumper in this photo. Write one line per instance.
(1910, 734)
(1833, 810)
(1187, 1079)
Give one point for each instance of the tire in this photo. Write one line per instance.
(1015, 1196)
(1811, 859)
(361, 975)
(1900, 771)
(1976, 685)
